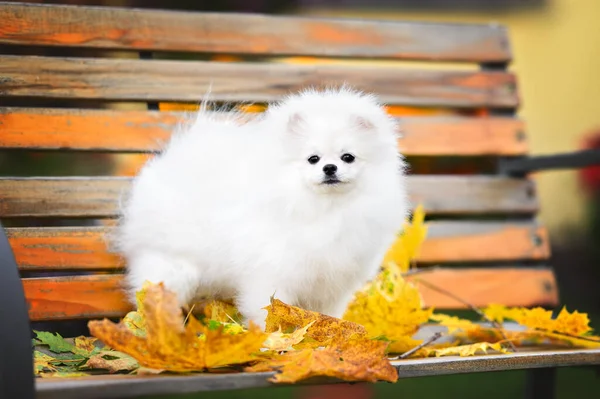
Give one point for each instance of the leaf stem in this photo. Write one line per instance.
(428, 341)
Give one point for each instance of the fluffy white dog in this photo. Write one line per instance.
(301, 203)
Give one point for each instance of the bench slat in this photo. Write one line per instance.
(99, 196)
(119, 28)
(52, 298)
(139, 131)
(123, 386)
(85, 248)
(160, 80)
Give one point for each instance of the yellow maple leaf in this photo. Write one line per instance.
(454, 324)
(390, 307)
(170, 345)
(281, 316)
(574, 323)
(571, 323)
(466, 350)
(279, 341)
(407, 245)
(357, 359)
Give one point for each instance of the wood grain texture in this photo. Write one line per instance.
(144, 80)
(52, 298)
(119, 28)
(99, 197)
(449, 242)
(482, 286)
(130, 386)
(63, 249)
(85, 248)
(81, 297)
(139, 131)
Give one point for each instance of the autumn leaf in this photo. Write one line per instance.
(281, 316)
(408, 244)
(86, 344)
(279, 341)
(454, 324)
(358, 359)
(221, 311)
(112, 361)
(170, 345)
(134, 320)
(574, 324)
(391, 307)
(55, 342)
(467, 350)
(42, 363)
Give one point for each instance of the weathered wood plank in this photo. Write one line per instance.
(39, 249)
(119, 28)
(124, 386)
(510, 287)
(138, 131)
(52, 298)
(83, 297)
(85, 248)
(99, 197)
(143, 80)
(484, 241)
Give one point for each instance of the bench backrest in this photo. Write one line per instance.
(72, 82)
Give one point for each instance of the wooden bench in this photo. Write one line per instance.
(71, 81)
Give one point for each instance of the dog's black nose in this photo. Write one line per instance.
(329, 169)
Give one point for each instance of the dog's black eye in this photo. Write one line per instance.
(348, 158)
(313, 160)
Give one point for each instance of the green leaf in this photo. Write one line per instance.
(55, 343)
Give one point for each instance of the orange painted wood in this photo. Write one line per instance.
(85, 248)
(484, 241)
(75, 297)
(108, 130)
(100, 296)
(99, 197)
(119, 28)
(481, 287)
(63, 249)
(161, 80)
(103, 130)
(456, 136)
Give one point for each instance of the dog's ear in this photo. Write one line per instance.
(295, 122)
(363, 123)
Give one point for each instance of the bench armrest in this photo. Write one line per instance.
(571, 160)
(16, 363)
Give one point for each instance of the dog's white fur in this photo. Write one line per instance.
(235, 210)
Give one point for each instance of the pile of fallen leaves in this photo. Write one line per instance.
(379, 324)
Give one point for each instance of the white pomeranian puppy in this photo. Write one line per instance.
(300, 203)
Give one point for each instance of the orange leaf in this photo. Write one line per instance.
(170, 345)
(353, 360)
(324, 329)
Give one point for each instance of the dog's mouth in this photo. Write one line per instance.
(331, 181)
